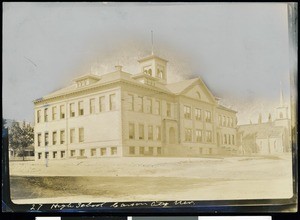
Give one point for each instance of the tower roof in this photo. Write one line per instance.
(281, 96)
(151, 57)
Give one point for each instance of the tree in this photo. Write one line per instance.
(4, 122)
(20, 137)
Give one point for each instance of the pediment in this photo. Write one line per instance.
(199, 91)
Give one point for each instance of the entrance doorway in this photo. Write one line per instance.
(172, 135)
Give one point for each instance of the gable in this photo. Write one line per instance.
(199, 92)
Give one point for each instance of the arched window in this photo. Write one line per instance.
(150, 72)
(158, 73)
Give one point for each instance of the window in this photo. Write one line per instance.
(130, 102)
(80, 108)
(220, 120)
(157, 107)
(159, 151)
(141, 131)
(168, 109)
(229, 139)
(54, 154)
(54, 137)
(188, 134)
(225, 139)
(82, 152)
(62, 137)
(231, 122)
(233, 141)
(54, 113)
(92, 106)
(47, 155)
(39, 156)
(150, 132)
(72, 153)
(102, 104)
(197, 114)
(158, 133)
(151, 150)
(140, 106)
(112, 102)
(93, 152)
(208, 136)
(159, 73)
(224, 121)
(131, 131)
(103, 151)
(72, 110)
(198, 135)
(46, 116)
(113, 151)
(39, 139)
(187, 112)
(149, 105)
(46, 139)
(38, 119)
(281, 115)
(62, 112)
(131, 150)
(228, 121)
(208, 116)
(62, 154)
(81, 134)
(72, 135)
(142, 150)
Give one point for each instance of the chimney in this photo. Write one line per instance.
(118, 67)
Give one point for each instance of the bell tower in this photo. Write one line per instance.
(282, 112)
(154, 67)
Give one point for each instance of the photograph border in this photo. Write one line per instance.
(178, 207)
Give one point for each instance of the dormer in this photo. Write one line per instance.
(155, 67)
(86, 80)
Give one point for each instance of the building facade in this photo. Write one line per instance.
(121, 114)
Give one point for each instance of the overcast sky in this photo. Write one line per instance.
(240, 50)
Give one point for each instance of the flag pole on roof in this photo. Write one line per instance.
(152, 53)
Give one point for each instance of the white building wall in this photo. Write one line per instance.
(101, 129)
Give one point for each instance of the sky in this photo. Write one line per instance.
(240, 50)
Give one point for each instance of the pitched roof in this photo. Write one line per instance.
(103, 80)
(179, 87)
(263, 130)
(226, 108)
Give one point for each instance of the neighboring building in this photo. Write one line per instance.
(29, 153)
(120, 114)
(272, 137)
(12, 153)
